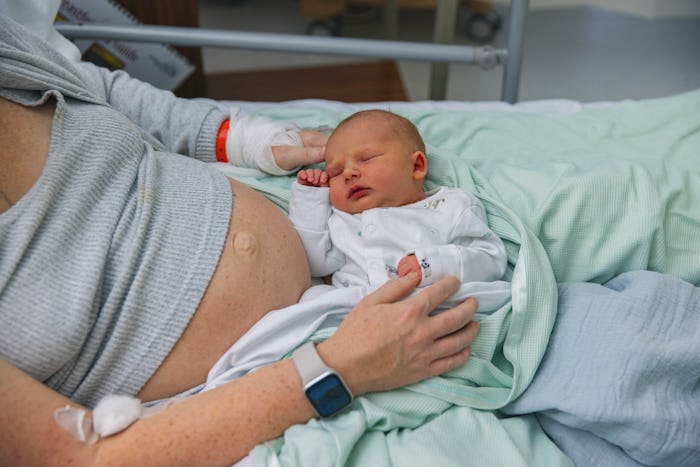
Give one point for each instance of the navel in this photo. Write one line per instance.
(244, 243)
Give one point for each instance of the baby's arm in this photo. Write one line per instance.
(472, 253)
(312, 177)
(309, 212)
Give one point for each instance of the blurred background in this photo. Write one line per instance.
(586, 50)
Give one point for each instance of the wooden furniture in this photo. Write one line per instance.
(351, 82)
(355, 82)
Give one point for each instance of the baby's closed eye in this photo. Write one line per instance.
(333, 171)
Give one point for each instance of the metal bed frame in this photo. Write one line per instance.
(440, 53)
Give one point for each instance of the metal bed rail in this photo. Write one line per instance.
(439, 52)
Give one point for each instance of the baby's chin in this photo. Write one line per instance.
(358, 205)
(367, 202)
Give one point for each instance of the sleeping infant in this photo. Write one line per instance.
(367, 219)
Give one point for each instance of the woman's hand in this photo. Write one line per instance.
(389, 341)
(290, 157)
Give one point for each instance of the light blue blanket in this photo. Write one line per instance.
(621, 375)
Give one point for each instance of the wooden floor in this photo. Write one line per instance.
(352, 82)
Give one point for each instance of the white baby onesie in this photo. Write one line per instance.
(447, 231)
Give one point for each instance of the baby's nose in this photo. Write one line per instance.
(351, 174)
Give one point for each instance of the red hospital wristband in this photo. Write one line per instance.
(220, 148)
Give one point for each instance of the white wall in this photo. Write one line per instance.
(644, 8)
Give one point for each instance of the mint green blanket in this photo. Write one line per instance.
(576, 197)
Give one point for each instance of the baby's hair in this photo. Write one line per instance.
(404, 127)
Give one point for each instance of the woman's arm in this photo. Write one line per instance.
(213, 428)
(187, 126)
(182, 126)
(402, 344)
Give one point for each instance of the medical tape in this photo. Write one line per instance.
(113, 414)
(250, 139)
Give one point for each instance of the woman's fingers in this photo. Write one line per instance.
(435, 294)
(452, 330)
(290, 157)
(454, 319)
(312, 151)
(402, 341)
(426, 301)
(452, 350)
(313, 138)
(449, 363)
(393, 291)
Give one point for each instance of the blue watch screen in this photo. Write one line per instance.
(328, 395)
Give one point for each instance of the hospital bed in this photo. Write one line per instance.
(580, 193)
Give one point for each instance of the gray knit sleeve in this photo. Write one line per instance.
(182, 126)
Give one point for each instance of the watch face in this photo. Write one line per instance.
(328, 395)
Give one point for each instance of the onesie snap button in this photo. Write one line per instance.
(371, 228)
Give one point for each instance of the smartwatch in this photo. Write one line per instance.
(323, 386)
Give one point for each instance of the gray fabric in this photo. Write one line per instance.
(105, 259)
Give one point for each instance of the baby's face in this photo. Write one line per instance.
(370, 166)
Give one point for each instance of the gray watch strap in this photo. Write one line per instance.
(309, 363)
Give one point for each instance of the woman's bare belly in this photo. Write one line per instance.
(262, 265)
(262, 268)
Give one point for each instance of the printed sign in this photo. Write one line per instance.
(157, 64)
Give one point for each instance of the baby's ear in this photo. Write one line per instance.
(420, 165)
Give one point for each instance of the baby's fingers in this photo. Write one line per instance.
(318, 177)
(303, 177)
(324, 178)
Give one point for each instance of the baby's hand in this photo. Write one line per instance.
(408, 264)
(312, 177)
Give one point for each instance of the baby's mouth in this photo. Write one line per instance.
(357, 192)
